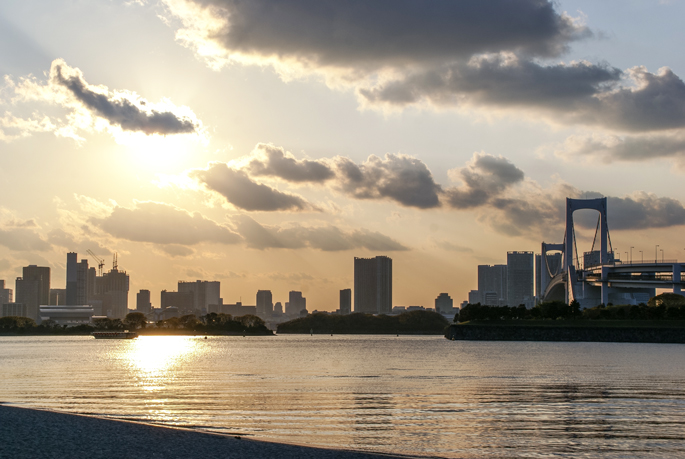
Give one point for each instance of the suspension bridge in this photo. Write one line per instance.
(600, 277)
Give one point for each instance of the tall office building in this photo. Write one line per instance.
(444, 304)
(542, 272)
(265, 305)
(72, 276)
(346, 301)
(295, 304)
(520, 277)
(492, 285)
(5, 293)
(278, 308)
(41, 274)
(373, 285)
(204, 293)
(28, 294)
(143, 303)
(184, 301)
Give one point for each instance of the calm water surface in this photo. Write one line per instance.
(411, 395)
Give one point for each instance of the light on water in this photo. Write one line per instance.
(416, 395)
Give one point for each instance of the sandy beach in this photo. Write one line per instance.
(30, 433)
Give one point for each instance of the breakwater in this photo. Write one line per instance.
(565, 333)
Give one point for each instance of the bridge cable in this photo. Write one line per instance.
(575, 244)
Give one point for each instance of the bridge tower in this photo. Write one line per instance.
(600, 205)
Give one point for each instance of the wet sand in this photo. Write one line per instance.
(29, 433)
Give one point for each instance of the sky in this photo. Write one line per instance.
(265, 144)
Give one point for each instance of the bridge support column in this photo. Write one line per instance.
(605, 285)
(676, 278)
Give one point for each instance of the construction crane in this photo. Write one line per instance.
(101, 262)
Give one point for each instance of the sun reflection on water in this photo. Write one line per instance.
(153, 358)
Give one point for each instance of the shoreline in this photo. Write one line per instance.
(39, 433)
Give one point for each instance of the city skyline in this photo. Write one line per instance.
(272, 163)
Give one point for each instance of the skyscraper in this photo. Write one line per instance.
(143, 303)
(72, 276)
(373, 285)
(520, 277)
(265, 305)
(5, 293)
(346, 301)
(204, 293)
(492, 285)
(41, 274)
(295, 304)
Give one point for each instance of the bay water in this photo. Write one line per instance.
(414, 395)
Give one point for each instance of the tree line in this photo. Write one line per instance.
(426, 322)
(134, 321)
(667, 306)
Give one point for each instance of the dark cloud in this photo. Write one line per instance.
(360, 33)
(23, 239)
(400, 178)
(120, 109)
(484, 178)
(241, 191)
(644, 210)
(73, 243)
(325, 238)
(641, 147)
(164, 224)
(272, 161)
(500, 81)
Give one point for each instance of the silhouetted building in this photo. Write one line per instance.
(373, 285)
(520, 278)
(41, 274)
(112, 289)
(204, 293)
(265, 305)
(72, 276)
(6, 295)
(143, 303)
(295, 304)
(474, 297)
(58, 296)
(184, 301)
(14, 309)
(278, 308)
(444, 304)
(238, 310)
(492, 285)
(346, 301)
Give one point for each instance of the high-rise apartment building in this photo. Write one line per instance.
(112, 288)
(373, 285)
(520, 277)
(184, 301)
(204, 293)
(6, 295)
(265, 305)
(296, 303)
(346, 301)
(41, 274)
(492, 285)
(143, 303)
(278, 308)
(72, 276)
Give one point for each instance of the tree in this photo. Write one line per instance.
(135, 320)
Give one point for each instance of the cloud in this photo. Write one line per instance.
(23, 239)
(451, 247)
(71, 242)
(164, 224)
(484, 178)
(358, 34)
(271, 161)
(463, 54)
(326, 238)
(87, 107)
(629, 148)
(643, 210)
(176, 250)
(241, 191)
(400, 178)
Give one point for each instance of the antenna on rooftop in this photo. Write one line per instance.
(115, 264)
